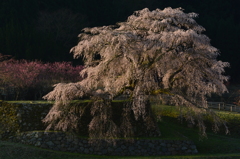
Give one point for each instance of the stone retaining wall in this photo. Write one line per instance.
(21, 117)
(60, 141)
(19, 123)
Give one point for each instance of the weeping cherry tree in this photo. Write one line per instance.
(161, 53)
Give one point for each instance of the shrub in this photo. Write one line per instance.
(22, 79)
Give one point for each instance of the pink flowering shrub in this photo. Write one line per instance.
(22, 79)
(52, 73)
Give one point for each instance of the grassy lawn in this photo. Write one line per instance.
(215, 146)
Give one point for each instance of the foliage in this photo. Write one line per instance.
(160, 52)
(26, 79)
(8, 119)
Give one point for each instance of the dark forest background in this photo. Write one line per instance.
(47, 29)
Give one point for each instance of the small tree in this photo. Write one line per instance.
(160, 52)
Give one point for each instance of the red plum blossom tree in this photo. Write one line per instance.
(22, 79)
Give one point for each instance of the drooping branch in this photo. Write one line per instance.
(161, 52)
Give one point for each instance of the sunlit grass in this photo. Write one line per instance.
(31, 102)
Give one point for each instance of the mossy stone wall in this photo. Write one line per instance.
(21, 117)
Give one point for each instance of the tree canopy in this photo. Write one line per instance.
(159, 52)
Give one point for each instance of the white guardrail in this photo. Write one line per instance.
(224, 106)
